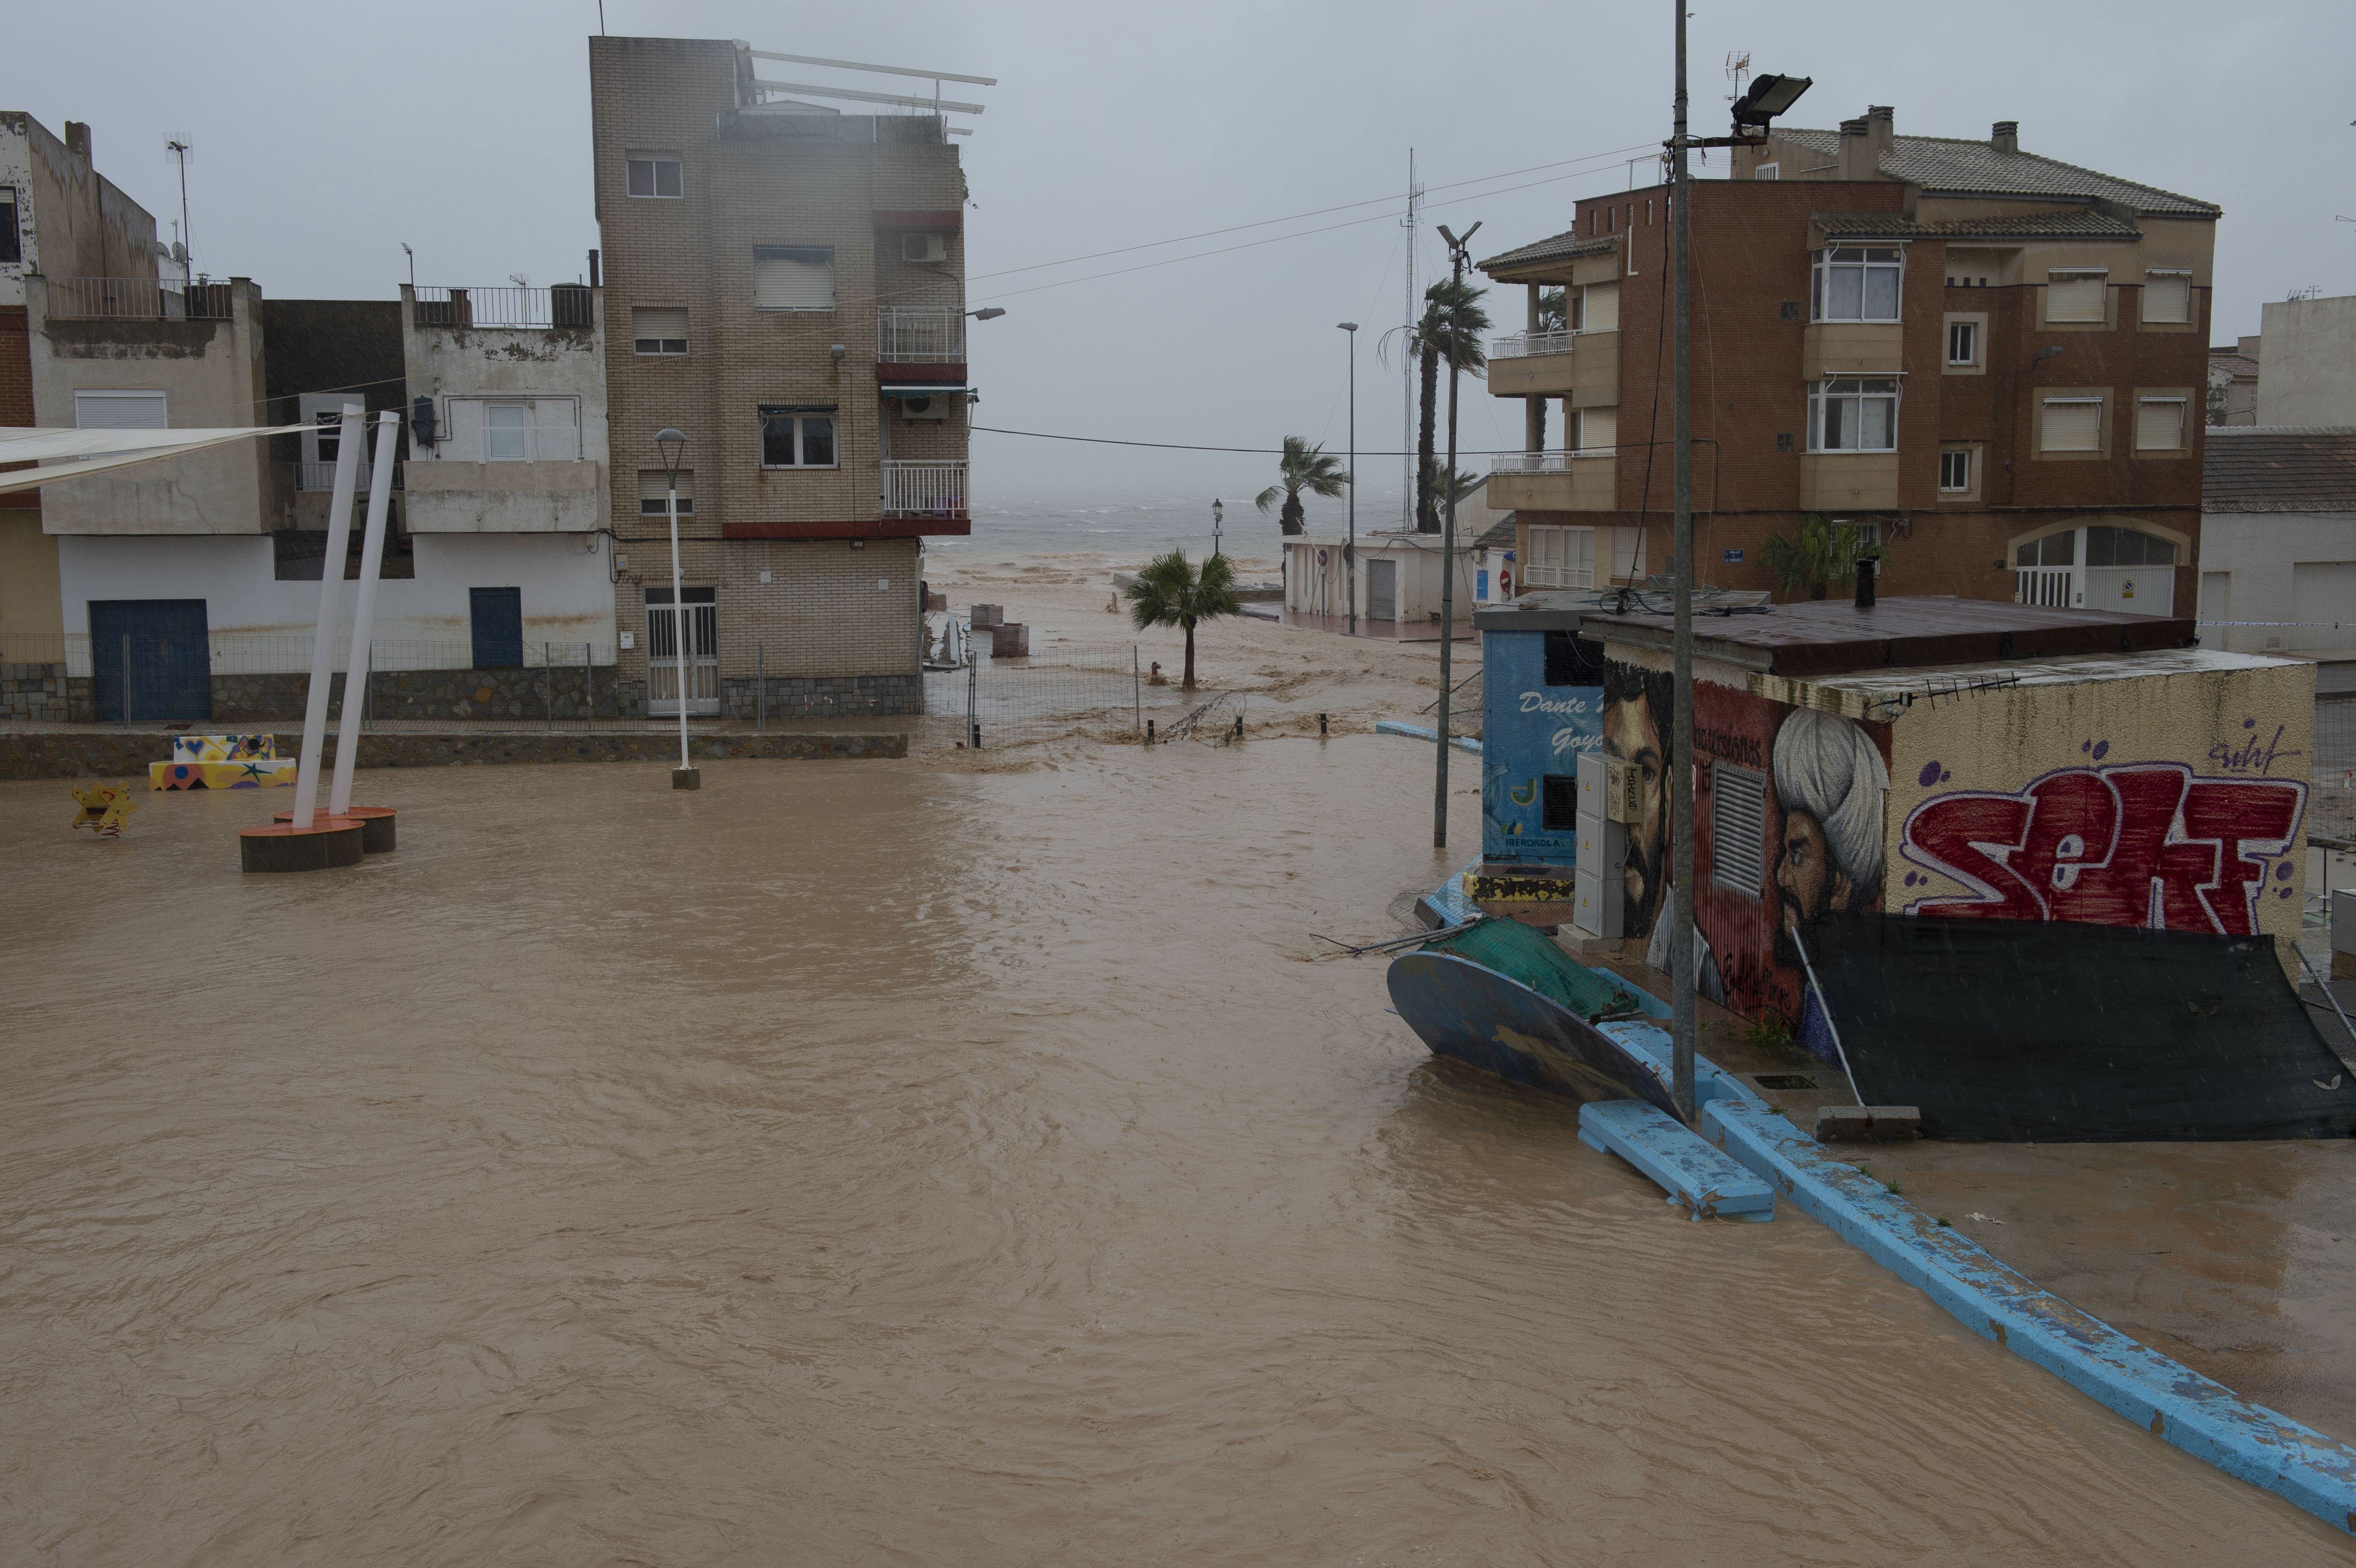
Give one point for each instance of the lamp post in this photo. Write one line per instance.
(1456, 262)
(671, 442)
(1217, 511)
(1350, 551)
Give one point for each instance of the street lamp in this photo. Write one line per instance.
(1350, 551)
(670, 442)
(1217, 511)
(988, 313)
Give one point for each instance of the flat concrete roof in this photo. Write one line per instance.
(1830, 637)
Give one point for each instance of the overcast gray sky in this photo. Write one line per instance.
(326, 136)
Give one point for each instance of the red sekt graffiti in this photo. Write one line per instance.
(2138, 844)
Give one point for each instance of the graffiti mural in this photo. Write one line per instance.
(2148, 844)
(1539, 711)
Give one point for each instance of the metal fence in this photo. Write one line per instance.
(2331, 804)
(565, 305)
(1056, 691)
(136, 299)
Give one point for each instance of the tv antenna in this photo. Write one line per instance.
(521, 280)
(179, 147)
(1737, 66)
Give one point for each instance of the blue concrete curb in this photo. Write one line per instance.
(1446, 905)
(2204, 1418)
(1418, 732)
(1701, 1179)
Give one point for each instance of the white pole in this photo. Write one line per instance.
(331, 592)
(678, 620)
(355, 666)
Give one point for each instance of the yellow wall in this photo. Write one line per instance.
(31, 625)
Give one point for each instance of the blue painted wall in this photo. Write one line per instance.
(1528, 730)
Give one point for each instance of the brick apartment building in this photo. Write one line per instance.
(785, 284)
(1991, 361)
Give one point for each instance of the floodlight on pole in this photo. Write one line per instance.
(1768, 96)
(1350, 550)
(670, 441)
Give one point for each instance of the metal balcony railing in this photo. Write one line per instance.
(322, 477)
(925, 490)
(1543, 462)
(919, 335)
(136, 299)
(1522, 345)
(539, 309)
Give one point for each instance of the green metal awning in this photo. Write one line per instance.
(921, 389)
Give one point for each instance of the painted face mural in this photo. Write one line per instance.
(1636, 717)
(1832, 784)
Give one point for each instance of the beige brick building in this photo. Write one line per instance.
(785, 285)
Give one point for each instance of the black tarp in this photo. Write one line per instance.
(2050, 1032)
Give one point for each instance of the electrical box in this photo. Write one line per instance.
(1610, 788)
(629, 639)
(924, 248)
(1597, 904)
(1603, 848)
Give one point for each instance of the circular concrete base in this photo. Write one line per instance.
(686, 779)
(329, 842)
(376, 826)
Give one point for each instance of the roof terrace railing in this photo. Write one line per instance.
(567, 305)
(136, 299)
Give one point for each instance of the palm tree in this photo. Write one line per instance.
(1825, 553)
(1168, 591)
(1465, 483)
(1451, 329)
(1302, 467)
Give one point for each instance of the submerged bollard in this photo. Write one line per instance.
(1149, 731)
(1321, 726)
(1239, 727)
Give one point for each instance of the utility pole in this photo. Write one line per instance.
(1350, 551)
(179, 148)
(1448, 538)
(1681, 764)
(1406, 406)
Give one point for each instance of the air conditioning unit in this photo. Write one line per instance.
(934, 407)
(924, 248)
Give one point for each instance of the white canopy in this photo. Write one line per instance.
(69, 453)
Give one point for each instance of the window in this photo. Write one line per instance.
(2159, 424)
(2167, 294)
(1560, 558)
(513, 430)
(1853, 416)
(793, 278)
(1868, 535)
(330, 435)
(2073, 425)
(655, 174)
(1962, 342)
(1857, 283)
(1767, 171)
(1572, 659)
(2053, 550)
(507, 433)
(2108, 546)
(2076, 293)
(11, 247)
(119, 411)
(658, 331)
(1598, 430)
(1955, 470)
(1558, 803)
(1737, 828)
(654, 492)
(797, 437)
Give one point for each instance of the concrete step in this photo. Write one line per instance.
(1710, 1185)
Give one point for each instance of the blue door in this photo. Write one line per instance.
(150, 659)
(497, 616)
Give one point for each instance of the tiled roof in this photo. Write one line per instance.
(1500, 536)
(1976, 168)
(1560, 248)
(2076, 223)
(2255, 469)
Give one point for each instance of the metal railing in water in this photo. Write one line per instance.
(565, 305)
(136, 299)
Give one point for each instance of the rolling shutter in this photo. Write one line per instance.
(2159, 424)
(658, 331)
(1738, 830)
(2167, 296)
(2073, 426)
(793, 278)
(2075, 295)
(119, 411)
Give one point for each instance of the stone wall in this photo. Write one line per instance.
(33, 692)
(824, 696)
(115, 754)
(523, 693)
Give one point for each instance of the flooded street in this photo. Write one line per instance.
(879, 1163)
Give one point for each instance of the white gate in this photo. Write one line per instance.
(2050, 587)
(703, 653)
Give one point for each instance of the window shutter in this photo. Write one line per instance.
(2074, 426)
(1603, 310)
(119, 411)
(2159, 424)
(654, 485)
(1737, 828)
(793, 278)
(2167, 296)
(1598, 428)
(2074, 295)
(651, 329)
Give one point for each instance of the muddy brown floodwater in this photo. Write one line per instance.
(863, 1162)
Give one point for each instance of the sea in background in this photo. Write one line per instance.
(1128, 531)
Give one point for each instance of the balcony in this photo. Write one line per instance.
(1852, 348)
(920, 490)
(567, 306)
(1555, 481)
(1582, 366)
(919, 335)
(556, 492)
(136, 299)
(1841, 481)
(321, 476)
